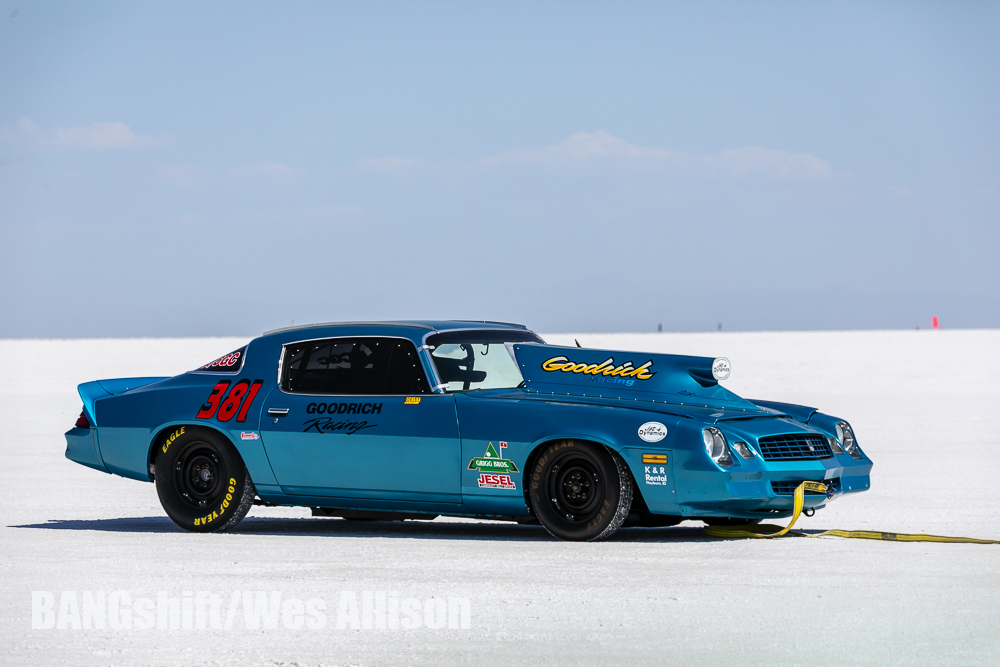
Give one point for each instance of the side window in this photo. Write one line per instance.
(366, 366)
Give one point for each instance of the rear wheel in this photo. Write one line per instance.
(579, 490)
(202, 482)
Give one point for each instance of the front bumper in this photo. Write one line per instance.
(690, 485)
(761, 489)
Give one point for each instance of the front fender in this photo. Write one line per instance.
(523, 425)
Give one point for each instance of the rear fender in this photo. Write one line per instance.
(93, 391)
(90, 392)
(250, 451)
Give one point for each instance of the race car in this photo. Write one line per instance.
(413, 420)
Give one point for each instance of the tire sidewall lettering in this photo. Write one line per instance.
(170, 438)
(536, 476)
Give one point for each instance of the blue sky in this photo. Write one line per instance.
(223, 168)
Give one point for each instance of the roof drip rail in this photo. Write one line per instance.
(504, 324)
(299, 327)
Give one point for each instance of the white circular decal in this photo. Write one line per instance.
(721, 368)
(652, 431)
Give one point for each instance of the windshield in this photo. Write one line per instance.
(471, 360)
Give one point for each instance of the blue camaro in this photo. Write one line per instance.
(410, 420)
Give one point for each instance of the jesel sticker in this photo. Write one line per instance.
(490, 481)
(492, 462)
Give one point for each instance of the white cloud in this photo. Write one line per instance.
(26, 135)
(773, 164)
(585, 147)
(899, 191)
(184, 175)
(390, 163)
(270, 172)
(336, 212)
(601, 150)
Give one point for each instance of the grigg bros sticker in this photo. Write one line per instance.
(494, 470)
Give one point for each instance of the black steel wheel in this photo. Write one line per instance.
(202, 482)
(579, 490)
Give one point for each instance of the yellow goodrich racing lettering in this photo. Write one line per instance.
(605, 368)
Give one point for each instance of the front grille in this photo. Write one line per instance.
(794, 447)
(787, 488)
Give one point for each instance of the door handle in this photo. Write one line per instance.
(277, 412)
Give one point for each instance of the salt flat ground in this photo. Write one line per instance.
(925, 406)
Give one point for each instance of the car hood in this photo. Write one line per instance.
(609, 374)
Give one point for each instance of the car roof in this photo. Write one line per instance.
(429, 325)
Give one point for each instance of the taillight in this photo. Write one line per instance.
(82, 421)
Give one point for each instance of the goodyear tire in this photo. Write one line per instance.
(201, 480)
(579, 490)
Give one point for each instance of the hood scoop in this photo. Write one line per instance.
(627, 375)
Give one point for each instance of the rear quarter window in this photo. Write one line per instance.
(228, 363)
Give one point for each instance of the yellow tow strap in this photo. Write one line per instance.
(767, 531)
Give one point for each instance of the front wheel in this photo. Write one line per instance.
(580, 490)
(201, 480)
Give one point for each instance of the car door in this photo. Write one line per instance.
(353, 417)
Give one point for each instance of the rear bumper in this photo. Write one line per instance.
(81, 447)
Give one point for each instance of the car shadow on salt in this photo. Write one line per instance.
(332, 527)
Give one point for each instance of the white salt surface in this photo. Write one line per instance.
(925, 406)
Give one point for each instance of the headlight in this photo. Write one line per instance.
(715, 445)
(847, 441)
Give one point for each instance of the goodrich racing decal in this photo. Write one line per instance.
(604, 369)
(337, 425)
